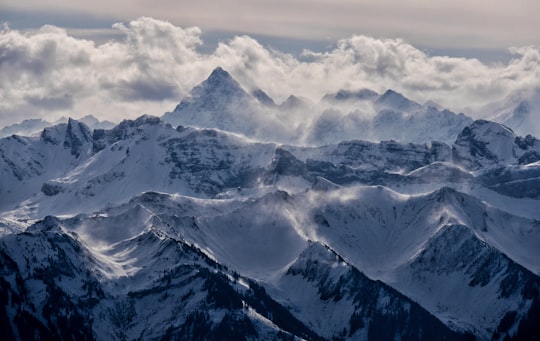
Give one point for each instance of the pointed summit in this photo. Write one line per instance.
(220, 85)
(78, 137)
(219, 78)
(395, 100)
(263, 98)
(218, 71)
(214, 94)
(214, 103)
(293, 102)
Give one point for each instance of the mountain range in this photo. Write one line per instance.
(236, 218)
(36, 125)
(220, 102)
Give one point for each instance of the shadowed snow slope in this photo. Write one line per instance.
(149, 231)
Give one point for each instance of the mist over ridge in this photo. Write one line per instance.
(154, 188)
(48, 73)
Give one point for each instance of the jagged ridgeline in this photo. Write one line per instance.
(221, 102)
(198, 226)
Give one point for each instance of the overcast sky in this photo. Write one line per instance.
(123, 58)
(434, 23)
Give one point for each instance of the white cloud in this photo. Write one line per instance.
(49, 73)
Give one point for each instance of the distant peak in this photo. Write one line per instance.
(219, 78)
(147, 119)
(359, 94)
(214, 96)
(347, 95)
(433, 105)
(219, 73)
(262, 97)
(138, 122)
(392, 94)
(390, 91)
(397, 101)
(293, 102)
(89, 119)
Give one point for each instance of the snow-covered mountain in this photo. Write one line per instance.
(26, 127)
(486, 144)
(221, 102)
(134, 157)
(390, 116)
(148, 230)
(520, 111)
(28, 162)
(218, 102)
(36, 125)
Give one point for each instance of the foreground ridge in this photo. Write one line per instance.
(149, 230)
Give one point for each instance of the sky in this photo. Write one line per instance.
(118, 59)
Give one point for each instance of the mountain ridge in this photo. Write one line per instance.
(153, 230)
(220, 102)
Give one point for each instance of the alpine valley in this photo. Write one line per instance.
(219, 221)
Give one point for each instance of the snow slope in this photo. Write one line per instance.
(221, 102)
(152, 231)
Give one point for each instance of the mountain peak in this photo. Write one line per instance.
(48, 224)
(219, 78)
(294, 102)
(485, 143)
(213, 93)
(219, 72)
(348, 95)
(78, 137)
(217, 82)
(25, 127)
(396, 100)
(485, 131)
(263, 98)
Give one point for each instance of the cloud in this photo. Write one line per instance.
(457, 23)
(51, 103)
(49, 73)
(47, 69)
